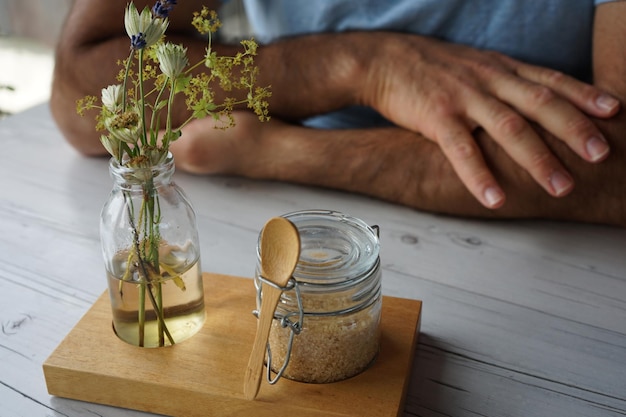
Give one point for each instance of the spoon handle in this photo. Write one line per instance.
(254, 371)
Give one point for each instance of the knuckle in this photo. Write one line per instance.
(579, 126)
(510, 124)
(441, 104)
(492, 54)
(492, 60)
(553, 77)
(561, 82)
(540, 161)
(460, 150)
(541, 95)
(191, 155)
(485, 66)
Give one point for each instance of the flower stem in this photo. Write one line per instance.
(141, 314)
(161, 327)
(168, 125)
(126, 72)
(142, 99)
(153, 123)
(145, 267)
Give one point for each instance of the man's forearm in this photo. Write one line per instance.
(609, 54)
(402, 167)
(312, 74)
(308, 75)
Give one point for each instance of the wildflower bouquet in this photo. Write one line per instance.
(137, 117)
(132, 137)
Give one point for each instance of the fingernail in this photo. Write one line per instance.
(493, 196)
(597, 148)
(606, 103)
(560, 182)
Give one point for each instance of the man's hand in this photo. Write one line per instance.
(446, 91)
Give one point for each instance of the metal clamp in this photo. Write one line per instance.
(285, 320)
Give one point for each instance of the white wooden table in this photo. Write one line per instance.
(519, 318)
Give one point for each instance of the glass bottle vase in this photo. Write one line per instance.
(152, 257)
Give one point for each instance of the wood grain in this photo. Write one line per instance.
(203, 376)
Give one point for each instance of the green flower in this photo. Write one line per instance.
(172, 59)
(143, 29)
(112, 97)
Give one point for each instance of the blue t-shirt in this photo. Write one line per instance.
(551, 33)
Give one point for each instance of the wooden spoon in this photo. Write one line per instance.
(280, 250)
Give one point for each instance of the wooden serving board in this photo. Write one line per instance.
(203, 376)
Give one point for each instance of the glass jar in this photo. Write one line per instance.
(152, 256)
(339, 281)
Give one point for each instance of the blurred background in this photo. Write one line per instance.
(29, 31)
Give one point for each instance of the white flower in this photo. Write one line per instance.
(112, 97)
(124, 126)
(172, 59)
(143, 29)
(124, 134)
(112, 145)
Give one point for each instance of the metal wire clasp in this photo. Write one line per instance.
(285, 320)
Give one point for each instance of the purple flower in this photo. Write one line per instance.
(143, 29)
(138, 41)
(162, 8)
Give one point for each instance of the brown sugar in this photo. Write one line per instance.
(329, 348)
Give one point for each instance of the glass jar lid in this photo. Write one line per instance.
(335, 249)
